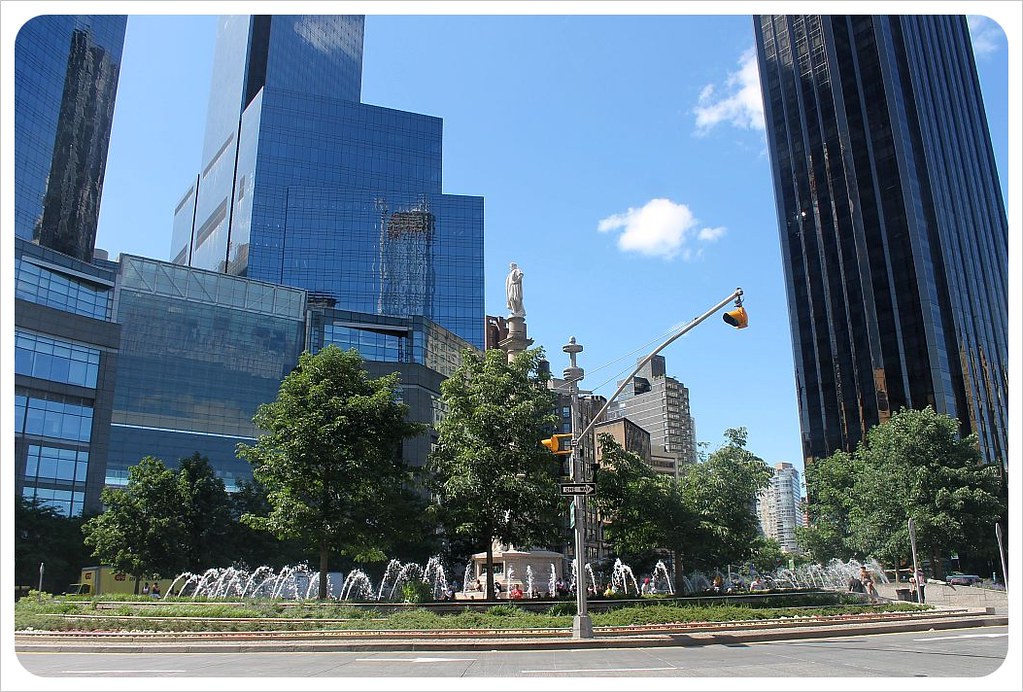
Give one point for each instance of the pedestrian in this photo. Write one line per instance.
(646, 586)
(154, 590)
(866, 580)
(145, 589)
(918, 581)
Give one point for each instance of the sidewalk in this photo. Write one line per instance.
(699, 634)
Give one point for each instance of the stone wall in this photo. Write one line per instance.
(952, 596)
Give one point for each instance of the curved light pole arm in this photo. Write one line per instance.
(735, 295)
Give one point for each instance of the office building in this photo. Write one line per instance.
(65, 359)
(778, 507)
(66, 69)
(893, 228)
(303, 185)
(659, 404)
(199, 352)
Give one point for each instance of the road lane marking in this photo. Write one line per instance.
(963, 636)
(413, 660)
(125, 670)
(600, 670)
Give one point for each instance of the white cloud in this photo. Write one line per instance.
(986, 34)
(740, 103)
(711, 234)
(660, 228)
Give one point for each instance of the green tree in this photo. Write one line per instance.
(723, 491)
(493, 478)
(916, 466)
(330, 458)
(249, 547)
(706, 518)
(766, 554)
(141, 532)
(44, 535)
(830, 484)
(644, 510)
(205, 508)
(627, 494)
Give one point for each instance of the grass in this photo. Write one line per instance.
(42, 612)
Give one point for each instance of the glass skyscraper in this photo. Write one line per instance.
(65, 80)
(893, 228)
(303, 185)
(65, 359)
(199, 352)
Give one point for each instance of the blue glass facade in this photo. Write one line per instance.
(422, 351)
(65, 355)
(303, 185)
(65, 79)
(893, 227)
(199, 352)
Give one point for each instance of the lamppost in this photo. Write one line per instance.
(582, 627)
(1001, 554)
(916, 568)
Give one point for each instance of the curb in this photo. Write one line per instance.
(727, 635)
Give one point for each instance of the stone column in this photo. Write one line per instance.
(516, 342)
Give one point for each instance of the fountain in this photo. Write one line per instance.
(660, 581)
(298, 582)
(621, 575)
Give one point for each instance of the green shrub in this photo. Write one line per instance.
(560, 609)
(415, 591)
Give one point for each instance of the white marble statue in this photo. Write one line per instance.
(513, 288)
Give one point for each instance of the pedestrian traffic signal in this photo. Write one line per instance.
(559, 444)
(737, 318)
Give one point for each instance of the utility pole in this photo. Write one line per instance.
(582, 626)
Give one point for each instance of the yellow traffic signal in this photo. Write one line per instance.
(559, 444)
(737, 318)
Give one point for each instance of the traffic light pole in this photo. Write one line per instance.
(736, 296)
(582, 626)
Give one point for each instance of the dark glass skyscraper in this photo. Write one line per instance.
(303, 185)
(893, 227)
(65, 80)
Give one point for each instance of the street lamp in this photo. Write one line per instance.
(582, 627)
(916, 568)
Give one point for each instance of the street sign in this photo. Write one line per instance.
(578, 488)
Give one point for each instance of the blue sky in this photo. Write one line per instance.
(622, 160)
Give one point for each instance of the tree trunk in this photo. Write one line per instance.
(138, 581)
(937, 569)
(323, 570)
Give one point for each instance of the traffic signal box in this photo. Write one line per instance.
(559, 444)
(562, 446)
(737, 318)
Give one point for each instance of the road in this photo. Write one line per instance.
(966, 652)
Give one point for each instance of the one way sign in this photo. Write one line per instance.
(578, 488)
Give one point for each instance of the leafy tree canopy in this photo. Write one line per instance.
(141, 532)
(915, 465)
(493, 478)
(330, 458)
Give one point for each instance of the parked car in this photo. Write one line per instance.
(963, 579)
